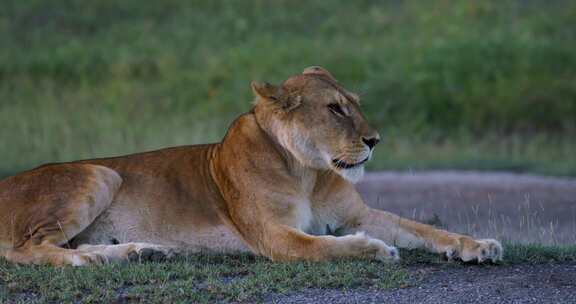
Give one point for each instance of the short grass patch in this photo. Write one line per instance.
(207, 278)
(537, 154)
(195, 278)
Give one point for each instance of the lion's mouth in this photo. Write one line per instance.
(340, 164)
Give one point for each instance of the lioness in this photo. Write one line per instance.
(277, 185)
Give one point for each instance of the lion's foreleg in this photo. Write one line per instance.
(406, 233)
(286, 243)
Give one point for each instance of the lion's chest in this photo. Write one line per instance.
(308, 221)
(302, 216)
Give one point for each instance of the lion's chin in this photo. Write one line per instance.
(352, 175)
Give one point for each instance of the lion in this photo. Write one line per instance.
(281, 180)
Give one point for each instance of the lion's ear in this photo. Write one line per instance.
(316, 70)
(274, 94)
(265, 90)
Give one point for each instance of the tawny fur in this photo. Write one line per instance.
(277, 185)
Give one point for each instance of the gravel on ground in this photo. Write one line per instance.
(545, 283)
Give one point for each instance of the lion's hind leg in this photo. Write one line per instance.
(87, 254)
(134, 252)
(43, 209)
(53, 255)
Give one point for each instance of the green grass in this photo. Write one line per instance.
(208, 277)
(476, 84)
(198, 278)
(538, 154)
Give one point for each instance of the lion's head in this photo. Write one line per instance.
(319, 122)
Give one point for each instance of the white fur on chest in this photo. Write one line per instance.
(303, 216)
(324, 224)
(308, 221)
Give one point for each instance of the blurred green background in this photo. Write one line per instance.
(449, 84)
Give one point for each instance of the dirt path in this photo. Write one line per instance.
(517, 207)
(470, 284)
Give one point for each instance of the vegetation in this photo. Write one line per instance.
(198, 278)
(207, 277)
(450, 84)
(458, 84)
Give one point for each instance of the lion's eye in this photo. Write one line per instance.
(336, 109)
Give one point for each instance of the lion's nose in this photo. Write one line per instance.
(371, 142)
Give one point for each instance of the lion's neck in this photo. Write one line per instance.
(291, 140)
(279, 137)
(249, 153)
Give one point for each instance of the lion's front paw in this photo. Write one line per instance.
(468, 249)
(361, 245)
(385, 253)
